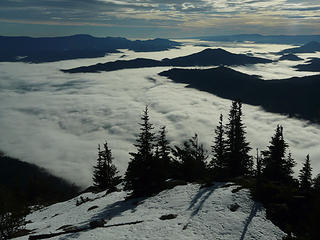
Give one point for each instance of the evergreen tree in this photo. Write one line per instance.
(12, 213)
(258, 174)
(239, 162)
(275, 165)
(219, 147)
(258, 165)
(316, 183)
(138, 176)
(163, 144)
(288, 165)
(305, 176)
(105, 173)
(98, 175)
(191, 159)
(162, 156)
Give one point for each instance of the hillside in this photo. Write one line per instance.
(50, 49)
(258, 38)
(29, 184)
(207, 57)
(296, 97)
(290, 57)
(310, 47)
(221, 211)
(312, 65)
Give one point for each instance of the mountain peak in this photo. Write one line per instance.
(213, 51)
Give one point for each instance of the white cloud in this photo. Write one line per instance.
(56, 120)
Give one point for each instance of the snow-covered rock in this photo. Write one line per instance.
(201, 213)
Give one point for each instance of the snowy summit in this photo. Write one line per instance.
(221, 211)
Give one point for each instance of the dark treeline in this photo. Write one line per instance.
(292, 204)
(295, 97)
(207, 57)
(22, 185)
(50, 49)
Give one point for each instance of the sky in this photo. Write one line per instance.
(161, 18)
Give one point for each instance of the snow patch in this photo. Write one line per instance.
(201, 213)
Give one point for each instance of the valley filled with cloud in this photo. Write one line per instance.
(56, 120)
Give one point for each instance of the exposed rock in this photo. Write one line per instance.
(168, 216)
(93, 207)
(97, 223)
(234, 207)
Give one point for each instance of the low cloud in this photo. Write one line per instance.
(56, 120)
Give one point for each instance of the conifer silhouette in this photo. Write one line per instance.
(239, 162)
(191, 159)
(139, 175)
(218, 149)
(275, 165)
(105, 173)
(305, 176)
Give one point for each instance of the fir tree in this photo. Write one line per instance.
(258, 174)
(239, 162)
(138, 176)
(258, 165)
(288, 165)
(162, 156)
(105, 174)
(305, 176)
(191, 159)
(275, 165)
(218, 149)
(98, 176)
(316, 183)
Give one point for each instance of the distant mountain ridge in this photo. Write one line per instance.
(290, 57)
(207, 57)
(310, 47)
(49, 49)
(295, 97)
(312, 65)
(258, 38)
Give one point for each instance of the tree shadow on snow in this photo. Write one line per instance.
(255, 208)
(109, 212)
(201, 197)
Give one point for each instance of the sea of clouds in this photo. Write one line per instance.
(56, 120)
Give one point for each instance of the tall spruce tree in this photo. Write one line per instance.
(98, 174)
(139, 175)
(105, 173)
(162, 156)
(316, 183)
(239, 162)
(191, 159)
(305, 176)
(218, 149)
(276, 166)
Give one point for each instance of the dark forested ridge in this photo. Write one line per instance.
(296, 97)
(312, 65)
(207, 57)
(30, 184)
(290, 57)
(49, 49)
(258, 38)
(310, 47)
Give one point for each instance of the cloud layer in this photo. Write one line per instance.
(165, 18)
(56, 120)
